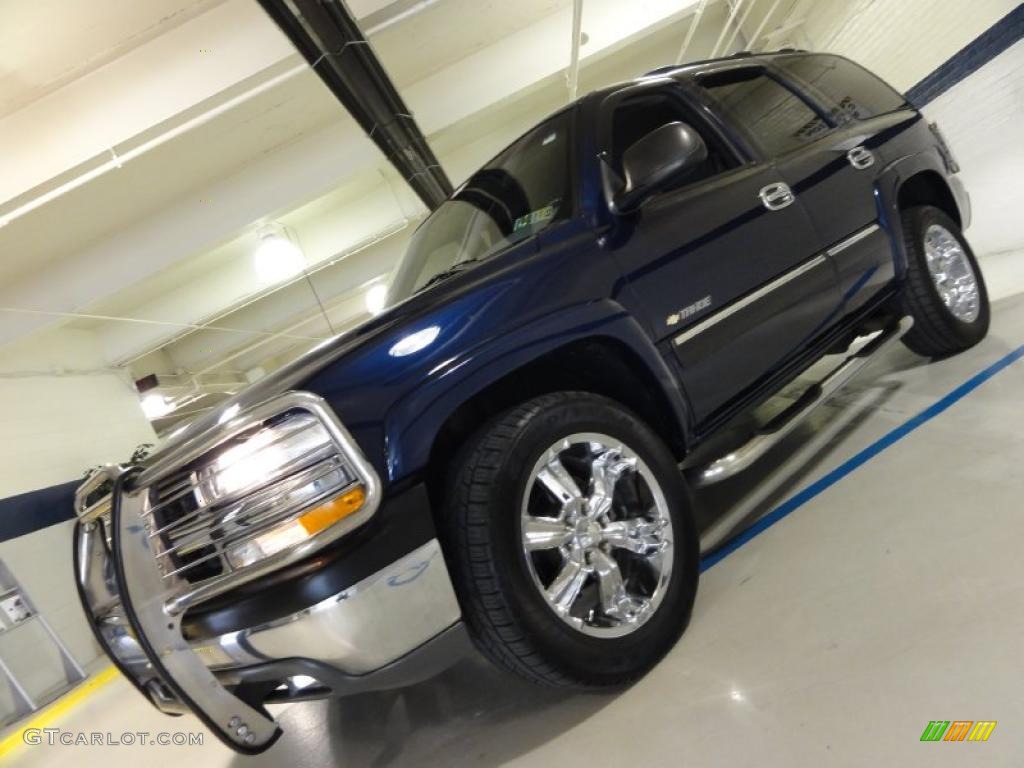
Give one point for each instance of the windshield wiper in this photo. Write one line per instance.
(444, 274)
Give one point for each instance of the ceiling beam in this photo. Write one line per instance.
(330, 40)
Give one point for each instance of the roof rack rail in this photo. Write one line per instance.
(738, 55)
(662, 70)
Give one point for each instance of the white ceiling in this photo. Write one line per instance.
(185, 166)
(448, 31)
(48, 43)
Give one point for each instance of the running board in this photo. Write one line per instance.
(784, 423)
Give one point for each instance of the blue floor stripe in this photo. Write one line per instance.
(792, 504)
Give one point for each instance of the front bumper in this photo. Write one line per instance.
(396, 625)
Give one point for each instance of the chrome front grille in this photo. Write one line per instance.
(251, 493)
(194, 534)
(174, 505)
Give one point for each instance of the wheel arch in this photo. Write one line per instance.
(928, 187)
(602, 365)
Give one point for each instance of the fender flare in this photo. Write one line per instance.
(894, 176)
(413, 423)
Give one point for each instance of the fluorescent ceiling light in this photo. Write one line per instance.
(155, 406)
(376, 298)
(277, 258)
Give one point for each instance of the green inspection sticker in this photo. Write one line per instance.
(536, 217)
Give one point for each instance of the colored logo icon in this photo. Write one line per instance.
(958, 730)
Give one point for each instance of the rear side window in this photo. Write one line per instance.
(850, 91)
(779, 119)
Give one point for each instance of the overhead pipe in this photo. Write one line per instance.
(327, 36)
(753, 39)
(690, 32)
(789, 24)
(400, 17)
(574, 54)
(739, 26)
(118, 158)
(725, 27)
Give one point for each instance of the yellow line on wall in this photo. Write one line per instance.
(48, 715)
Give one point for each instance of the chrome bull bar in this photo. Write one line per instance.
(124, 596)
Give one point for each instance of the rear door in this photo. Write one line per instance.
(731, 286)
(836, 176)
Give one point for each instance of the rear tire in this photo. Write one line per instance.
(944, 291)
(507, 551)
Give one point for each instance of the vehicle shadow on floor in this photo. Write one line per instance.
(472, 714)
(801, 458)
(477, 714)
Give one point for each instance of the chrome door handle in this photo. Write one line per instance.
(860, 158)
(777, 196)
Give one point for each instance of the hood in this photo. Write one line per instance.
(276, 383)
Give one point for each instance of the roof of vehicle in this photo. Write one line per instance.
(695, 68)
(689, 68)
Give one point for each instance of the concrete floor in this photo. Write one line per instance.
(888, 599)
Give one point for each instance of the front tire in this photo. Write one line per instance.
(945, 291)
(571, 541)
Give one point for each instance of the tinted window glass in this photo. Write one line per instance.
(778, 118)
(850, 91)
(514, 196)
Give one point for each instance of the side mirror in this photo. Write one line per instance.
(654, 163)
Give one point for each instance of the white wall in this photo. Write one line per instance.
(59, 414)
(981, 116)
(902, 40)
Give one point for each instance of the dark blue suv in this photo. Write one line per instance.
(504, 455)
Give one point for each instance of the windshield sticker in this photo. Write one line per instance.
(539, 216)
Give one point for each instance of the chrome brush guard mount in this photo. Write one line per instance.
(136, 605)
(124, 594)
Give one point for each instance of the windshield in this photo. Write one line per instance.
(513, 197)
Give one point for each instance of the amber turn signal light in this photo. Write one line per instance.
(334, 510)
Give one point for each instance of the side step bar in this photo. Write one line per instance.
(784, 423)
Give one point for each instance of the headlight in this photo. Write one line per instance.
(273, 450)
(291, 465)
(266, 487)
(267, 490)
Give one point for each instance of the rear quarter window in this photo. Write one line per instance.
(849, 91)
(778, 119)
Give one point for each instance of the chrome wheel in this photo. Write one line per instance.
(952, 273)
(597, 535)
